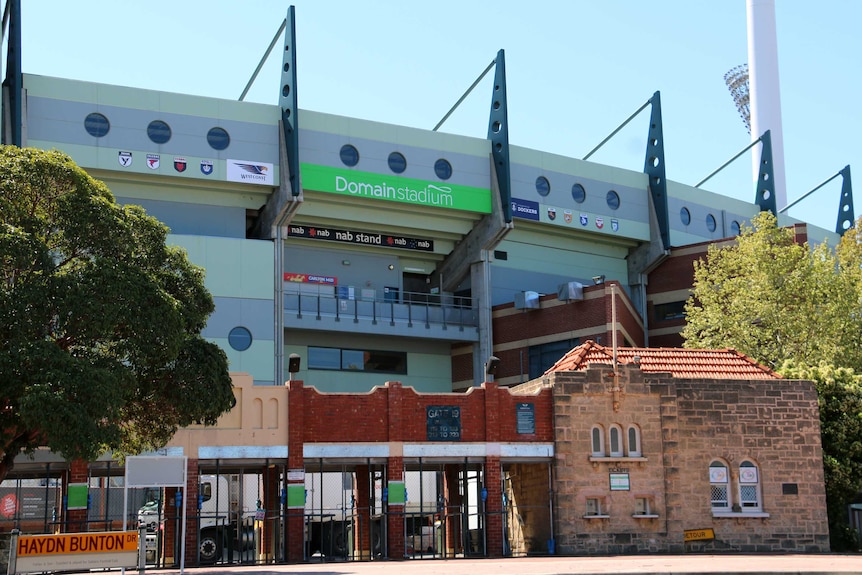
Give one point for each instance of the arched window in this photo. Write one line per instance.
(634, 441)
(719, 481)
(749, 486)
(616, 441)
(597, 440)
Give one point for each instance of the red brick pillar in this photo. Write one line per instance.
(295, 520)
(76, 519)
(493, 507)
(191, 505)
(395, 470)
(272, 506)
(395, 512)
(362, 517)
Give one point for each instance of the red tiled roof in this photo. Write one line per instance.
(681, 362)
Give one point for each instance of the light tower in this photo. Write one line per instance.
(737, 82)
(764, 90)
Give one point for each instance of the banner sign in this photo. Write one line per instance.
(76, 551)
(310, 279)
(250, 172)
(394, 188)
(527, 209)
(361, 238)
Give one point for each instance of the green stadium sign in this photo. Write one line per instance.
(394, 188)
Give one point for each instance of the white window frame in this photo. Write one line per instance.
(749, 482)
(635, 451)
(719, 478)
(597, 431)
(619, 451)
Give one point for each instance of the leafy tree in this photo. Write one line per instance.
(100, 321)
(839, 393)
(774, 299)
(780, 301)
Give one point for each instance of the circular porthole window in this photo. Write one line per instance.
(239, 338)
(613, 200)
(159, 132)
(735, 228)
(543, 186)
(397, 162)
(443, 169)
(710, 222)
(579, 194)
(218, 138)
(97, 125)
(685, 216)
(349, 155)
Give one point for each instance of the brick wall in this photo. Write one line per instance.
(684, 425)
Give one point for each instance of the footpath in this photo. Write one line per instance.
(825, 564)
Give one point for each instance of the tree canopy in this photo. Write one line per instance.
(798, 310)
(100, 320)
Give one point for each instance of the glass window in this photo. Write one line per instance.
(239, 338)
(685, 216)
(579, 194)
(749, 486)
(710, 222)
(613, 200)
(443, 169)
(669, 311)
(349, 155)
(397, 162)
(543, 186)
(159, 132)
(634, 441)
(543, 356)
(616, 447)
(97, 125)
(598, 441)
(735, 228)
(719, 494)
(324, 358)
(642, 506)
(218, 138)
(594, 506)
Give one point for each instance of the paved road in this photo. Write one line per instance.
(639, 564)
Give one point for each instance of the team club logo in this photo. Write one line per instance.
(615, 225)
(600, 223)
(180, 164)
(567, 216)
(153, 161)
(552, 214)
(585, 219)
(206, 167)
(125, 159)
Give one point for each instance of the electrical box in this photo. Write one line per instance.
(527, 300)
(571, 291)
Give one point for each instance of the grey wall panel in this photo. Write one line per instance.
(254, 314)
(61, 121)
(195, 219)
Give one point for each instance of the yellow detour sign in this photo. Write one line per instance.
(76, 551)
(698, 535)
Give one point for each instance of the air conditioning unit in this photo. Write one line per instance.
(527, 300)
(572, 291)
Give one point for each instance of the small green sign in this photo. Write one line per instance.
(296, 496)
(77, 496)
(394, 188)
(397, 493)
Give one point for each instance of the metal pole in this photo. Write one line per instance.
(724, 165)
(621, 126)
(262, 60)
(467, 93)
(794, 202)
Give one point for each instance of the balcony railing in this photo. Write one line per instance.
(390, 307)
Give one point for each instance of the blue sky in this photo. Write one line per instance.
(576, 69)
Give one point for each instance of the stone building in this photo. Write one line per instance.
(673, 450)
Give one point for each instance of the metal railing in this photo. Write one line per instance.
(410, 308)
